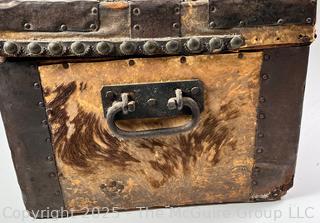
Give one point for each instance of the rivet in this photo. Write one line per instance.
(194, 44)
(280, 21)
(48, 140)
(93, 26)
(257, 170)
(34, 48)
(265, 76)
(78, 48)
(136, 27)
(128, 48)
(183, 59)
(150, 47)
(136, 11)
(308, 20)
(50, 158)
(10, 48)
(55, 48)
(262, 116)
(177, 10)
(131, 106)
(215, 43)
(109, 95)
(27, 26)
(175, 25)
(104, 48)
(262, 99)
(267, 57)
(52, 174)
(260, 135)
(240, 55)
(195, 90)
(41, 104)
(172, 46)
(94, 10)
(241, 23)
(259, 150)
(131, 62)
(63, 27)
(65, 65)
(236, 42)
(152, 102)
(212, 25)
(44, 123)
(36, 85)
(254, 183)
(57, 193)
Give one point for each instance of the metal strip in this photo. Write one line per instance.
(49, 16)
(229, 13)
(164, 46)
(283, 77)
(158, 93)
(155, 18)
(26, 124)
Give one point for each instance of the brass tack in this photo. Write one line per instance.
(34, 48)
(150, 47)
(215, 43)
(104, 48)
(55, 48)
(194, 44)
(10, 48)
(172, 46)
(236, 42)
(128, 48)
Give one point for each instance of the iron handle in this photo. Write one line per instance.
(179, 101)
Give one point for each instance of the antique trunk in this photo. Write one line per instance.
(152, 103)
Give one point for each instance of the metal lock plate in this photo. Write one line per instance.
(151, 99)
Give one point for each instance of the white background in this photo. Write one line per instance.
(302, 204)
